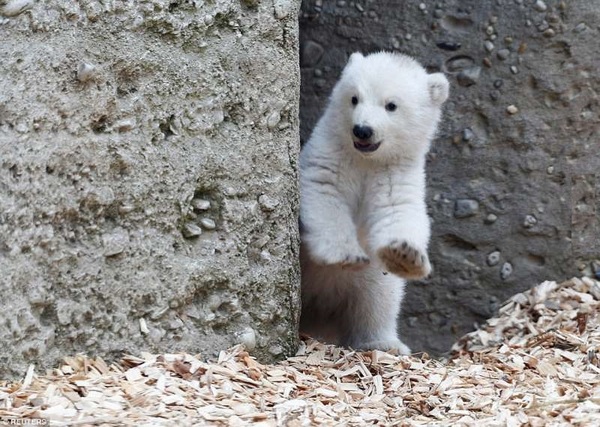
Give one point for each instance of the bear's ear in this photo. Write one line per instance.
(438, 87)
(355, 57)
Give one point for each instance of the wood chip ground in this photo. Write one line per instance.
(536, 364)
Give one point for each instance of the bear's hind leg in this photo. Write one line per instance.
(370, 319)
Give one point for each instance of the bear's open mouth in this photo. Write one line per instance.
(366, 146)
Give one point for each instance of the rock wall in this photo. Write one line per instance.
(148, 183)
(513, 187)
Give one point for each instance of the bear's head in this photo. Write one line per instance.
(387, 105)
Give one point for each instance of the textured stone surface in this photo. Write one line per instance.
(148, 194)
(516, 156)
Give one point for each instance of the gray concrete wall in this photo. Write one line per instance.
(148, 194)
(513, 176)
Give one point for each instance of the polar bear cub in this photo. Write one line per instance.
(364, 225)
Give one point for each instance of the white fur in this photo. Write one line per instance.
(364, 222)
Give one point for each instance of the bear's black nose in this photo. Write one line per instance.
(362, 132)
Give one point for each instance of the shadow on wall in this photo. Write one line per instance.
(512, 186)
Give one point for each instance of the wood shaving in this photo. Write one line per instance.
(537, 364)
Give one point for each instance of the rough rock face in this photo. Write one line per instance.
(148, 194)
(513, 188)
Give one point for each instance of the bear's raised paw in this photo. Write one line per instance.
(335, 255)
(404, 260)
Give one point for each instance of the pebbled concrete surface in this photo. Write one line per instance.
(148, 194)
(513, 188)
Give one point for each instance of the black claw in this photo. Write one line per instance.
(404, 245)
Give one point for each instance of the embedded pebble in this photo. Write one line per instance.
(209, 20)
(549, 33)
(273, 119)
(493, 258)
(191, 230)
(311, 54)
(248, 338)
(467, 135)
(490, 219)
(283, 8)
(175, 323)
(459, 62)
(522, 48)
(543, 26)
(144, 327)
(469, 76)
(266, 256)
(213, 302)
(275, 350)
(506, 270)
(512, 109)
(200, 204)
(579, 28)
(489, 46)
(231, 192)
(208, 223)
(529, 221)
(465, 208)
(503, 54)
(159, 312)
(86, 72)
(125, 125)
(451, 46)
(498, 83)
(12, 8)
(540, 6)
(514, 69)
(550, 170)
(267, 203)
(115, 243)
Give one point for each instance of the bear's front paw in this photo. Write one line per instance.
(355, 262)
(336, 255)
(404, 260)
(350, 262)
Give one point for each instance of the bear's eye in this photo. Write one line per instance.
(390, 106)
(354, 100)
